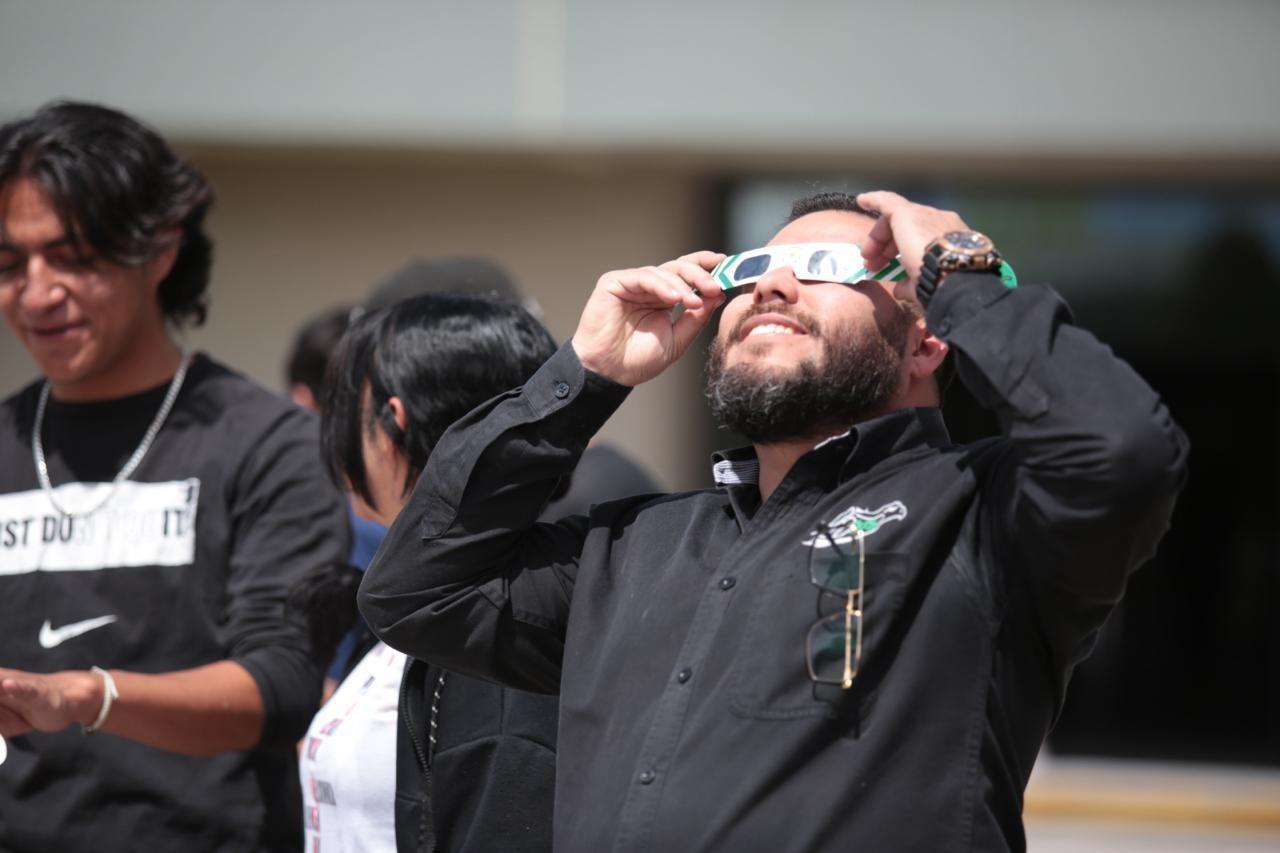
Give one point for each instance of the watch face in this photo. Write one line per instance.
(968, 242)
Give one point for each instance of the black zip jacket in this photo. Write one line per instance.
(488, 783)
(675, 628)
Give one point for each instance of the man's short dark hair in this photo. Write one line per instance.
(442, 354)
(308, 359)
(117, 188)
(828, 201)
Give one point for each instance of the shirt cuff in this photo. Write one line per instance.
(289, 683)
(961, 296)
(563, 380)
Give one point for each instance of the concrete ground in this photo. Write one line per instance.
(1129, 807)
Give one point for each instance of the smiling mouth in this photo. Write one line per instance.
(771, 329)
(772, 325)
(53, 333)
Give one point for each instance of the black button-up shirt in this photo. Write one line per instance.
(675, 626)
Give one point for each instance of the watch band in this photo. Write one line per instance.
(930, 276)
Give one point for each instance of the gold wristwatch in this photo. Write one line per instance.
(968, 251)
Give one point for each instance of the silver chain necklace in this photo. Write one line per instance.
(37, 446)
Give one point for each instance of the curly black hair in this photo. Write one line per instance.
(119, 190)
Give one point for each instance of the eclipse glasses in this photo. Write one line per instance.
(840, 263)
(835, 262)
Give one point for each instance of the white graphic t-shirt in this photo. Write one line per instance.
(348, 764)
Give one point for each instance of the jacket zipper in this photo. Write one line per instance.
(409, 721)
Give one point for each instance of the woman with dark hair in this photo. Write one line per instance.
(473, 764)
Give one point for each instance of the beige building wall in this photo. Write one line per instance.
(297, 232)
(608, 114)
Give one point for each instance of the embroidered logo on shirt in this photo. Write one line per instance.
(51, 637)
(857, 521)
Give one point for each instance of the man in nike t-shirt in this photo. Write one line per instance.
(155, 509)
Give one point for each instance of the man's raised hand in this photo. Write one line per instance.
(904, 229)
(627, 332)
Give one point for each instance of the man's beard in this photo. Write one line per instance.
(856, 380)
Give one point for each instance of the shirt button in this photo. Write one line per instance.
(944, 326)
(562, 389)
(647, 776)
(727, 583)
(684, 675)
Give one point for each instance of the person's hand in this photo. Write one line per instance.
(904, 229)
(627, 332)
(47, 702)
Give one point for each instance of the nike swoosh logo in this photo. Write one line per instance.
(51, 637)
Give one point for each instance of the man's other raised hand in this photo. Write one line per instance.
(904, 229)
(628, 332)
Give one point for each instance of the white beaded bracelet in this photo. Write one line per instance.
(109, 695)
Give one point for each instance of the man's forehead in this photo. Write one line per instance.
(27, 206)
(825, 226)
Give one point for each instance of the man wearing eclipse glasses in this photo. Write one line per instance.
(862, 635)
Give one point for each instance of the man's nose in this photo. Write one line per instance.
(43, 289)
(778, 284)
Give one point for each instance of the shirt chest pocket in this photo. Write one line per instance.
(803, 642)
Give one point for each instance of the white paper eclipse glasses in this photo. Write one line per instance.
(835, 262)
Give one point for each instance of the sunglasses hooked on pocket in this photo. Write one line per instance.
(833, 648)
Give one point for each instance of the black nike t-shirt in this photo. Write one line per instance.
(188, 562)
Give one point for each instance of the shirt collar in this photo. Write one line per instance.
(864, 445)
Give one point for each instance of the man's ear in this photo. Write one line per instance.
(160, 264)
(927, 352)
(301, 394)
(398, 412)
